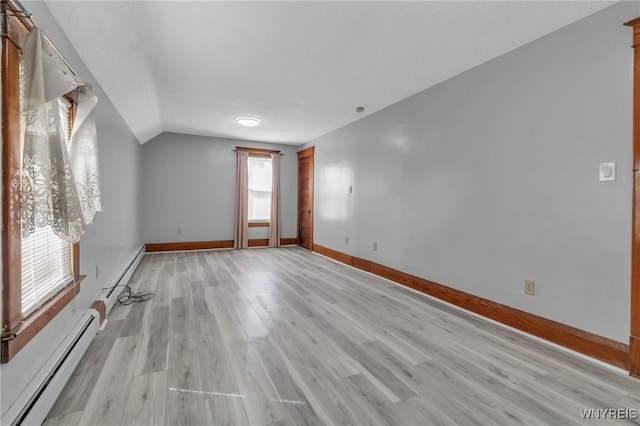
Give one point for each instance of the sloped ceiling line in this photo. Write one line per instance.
(301, 67)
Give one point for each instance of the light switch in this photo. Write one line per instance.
(607, 172)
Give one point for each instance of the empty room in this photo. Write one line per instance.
(320, 212)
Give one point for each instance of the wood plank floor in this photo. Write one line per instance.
(284, 336)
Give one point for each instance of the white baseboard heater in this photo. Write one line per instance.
(110, 296)
(34, 404)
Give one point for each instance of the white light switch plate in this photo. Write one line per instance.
(607, 172)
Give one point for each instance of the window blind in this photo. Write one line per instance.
(46, 267)
(46, 258)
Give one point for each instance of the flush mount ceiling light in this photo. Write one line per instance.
(248, 121)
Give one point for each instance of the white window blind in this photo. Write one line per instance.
(259, 188)
(46, 267)
(46, 258)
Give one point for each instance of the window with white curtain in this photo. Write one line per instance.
(45, 257)
(51, 178)
(259, 188)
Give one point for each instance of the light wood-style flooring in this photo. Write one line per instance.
(284, 336)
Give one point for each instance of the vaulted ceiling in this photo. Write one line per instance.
(301, 67)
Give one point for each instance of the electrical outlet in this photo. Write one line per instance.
(375, 246)
(529, 287)
(179, 231)
(346, 241)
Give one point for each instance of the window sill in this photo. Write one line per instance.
(259, 224)
(18, 338)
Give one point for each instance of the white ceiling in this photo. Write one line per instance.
(302, 67)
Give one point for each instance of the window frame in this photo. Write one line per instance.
(265, 153)
(255, 223)
(16, 330)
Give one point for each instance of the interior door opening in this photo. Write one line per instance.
(305, 198)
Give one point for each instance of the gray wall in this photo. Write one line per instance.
(189, 182)
(109, 243)
(491, 178)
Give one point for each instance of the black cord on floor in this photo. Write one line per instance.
(128, 296)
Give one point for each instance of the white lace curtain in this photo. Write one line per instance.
(60, 185)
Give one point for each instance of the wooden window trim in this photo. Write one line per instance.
(257, 152)
(18, 331)
(259, 224)
(29, 327)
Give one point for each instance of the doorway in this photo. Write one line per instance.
(305, 198)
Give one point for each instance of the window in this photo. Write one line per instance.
(40, 271)
(257, 195)
(46, 266)
(259, 188)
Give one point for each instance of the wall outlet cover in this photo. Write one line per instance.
(529, 287)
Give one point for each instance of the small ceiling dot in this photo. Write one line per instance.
(359, 109)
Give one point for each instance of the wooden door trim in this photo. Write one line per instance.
(634, 334)
(306, 153)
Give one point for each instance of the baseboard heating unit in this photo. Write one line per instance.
(110, 296)
(32, 407)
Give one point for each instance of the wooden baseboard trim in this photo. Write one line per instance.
(188, 245)
(593, 345)
(336, 255)
(101, 307)
(209, 245)
(634, 356)
(261, 242)
(288, 241)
